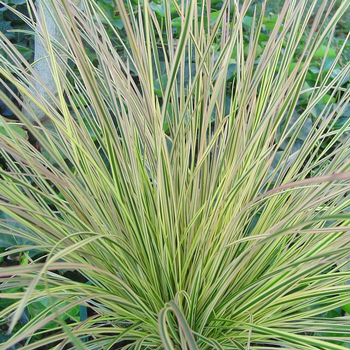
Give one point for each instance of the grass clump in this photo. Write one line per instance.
(193, 211)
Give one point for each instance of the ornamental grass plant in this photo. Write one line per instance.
(186, 204)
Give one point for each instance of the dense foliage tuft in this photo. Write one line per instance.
(178, 179)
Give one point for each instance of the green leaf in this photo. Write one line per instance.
(322, 50)
(248, 21)
(293, 65)
(5, 26)
(176, 22)
(14, 128)
(27, 52)
(159, 87)
(15, 2)
(263, 37)
(6, 240)
(41, 304)
(306, 94)
(158, 9)
(108, 8)
(214, 16)
(259, 50)
(346, 308)
(328, 99)
(117, 22)
(24, 260)
(270, 23)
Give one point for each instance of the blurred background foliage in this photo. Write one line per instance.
(18, 32)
